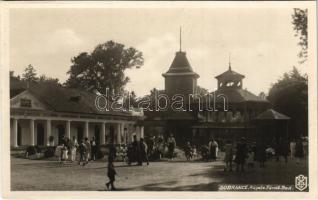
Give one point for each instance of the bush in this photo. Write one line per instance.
(31, 150)
(49, 152)
(99, 153)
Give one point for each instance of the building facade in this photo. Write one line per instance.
(231, 116)
(42, 114)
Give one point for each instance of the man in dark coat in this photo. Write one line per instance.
(111, 174)
(241, 154)
(136, 150)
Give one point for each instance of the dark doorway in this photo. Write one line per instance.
(40, 135)
(61, 132)
(111, 134)
(80, 133)
(97, 134)
(19, 136)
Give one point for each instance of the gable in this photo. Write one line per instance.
(26, 100)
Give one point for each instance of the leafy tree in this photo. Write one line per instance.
(202, 91)
(49, 80)
(290, 96)
(130, 100)
(104, 67)
(29, 74)
(300, 26)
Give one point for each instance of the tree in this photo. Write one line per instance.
(202, 91)
(49, 80)
(104, 67)
(290, 96)
(300, 26)
(29, 74)
(130, 100)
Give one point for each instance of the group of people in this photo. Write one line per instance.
(244, 152)
(68, 149)
(137, 151)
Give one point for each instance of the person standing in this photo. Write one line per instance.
(73, 147)
(212, 149)
(143, 150)
(111, 174)
(299, 154)
(292, 147)
(94, 149)
(88, 150)
(228, 155)
(241, 154)
(82, 150)
(112, 151)
(171, 146)
(216, 146)
(284, 150)
(136, 151)
(261, 153)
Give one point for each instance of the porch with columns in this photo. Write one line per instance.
(25, 130)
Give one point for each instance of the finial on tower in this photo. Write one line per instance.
(180, 38)
(230, 61)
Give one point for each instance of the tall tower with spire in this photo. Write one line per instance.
(180, 78)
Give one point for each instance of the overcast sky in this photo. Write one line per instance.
(261, 41)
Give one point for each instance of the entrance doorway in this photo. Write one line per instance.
(111, 134)
(40, 135)
(80, 133)
(97, 134)
(61, 133)
(19, 136)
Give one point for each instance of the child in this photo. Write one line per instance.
(64, 154)
(250, 159)
(194, 152)
(111, 174)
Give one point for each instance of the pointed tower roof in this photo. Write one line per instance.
(180, 66)
(230, 74)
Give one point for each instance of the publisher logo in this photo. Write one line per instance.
(301, 182)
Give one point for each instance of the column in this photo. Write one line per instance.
(48, 131)
(32, 143)
(86, 129)
(118, 132)
(138, 132)
(142, 132)
(15, 132)
(123, 133)
(68, 129)
(103, 133)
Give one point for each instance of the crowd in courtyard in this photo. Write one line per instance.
(242, 153)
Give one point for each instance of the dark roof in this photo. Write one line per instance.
(238, 95)
(230, 74)
(271, 114)
(62, 99)
(16, 86)
(180, 66)
(168, 115)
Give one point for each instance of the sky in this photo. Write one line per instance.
(261, 41)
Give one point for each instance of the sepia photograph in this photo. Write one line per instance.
(174, 98)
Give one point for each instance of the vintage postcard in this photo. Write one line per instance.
(159, 100)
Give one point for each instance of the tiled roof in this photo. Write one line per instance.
(271, 114)
(230, 74)
(180, 66)
(238, 95)
(61, 99)
(168, 115)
